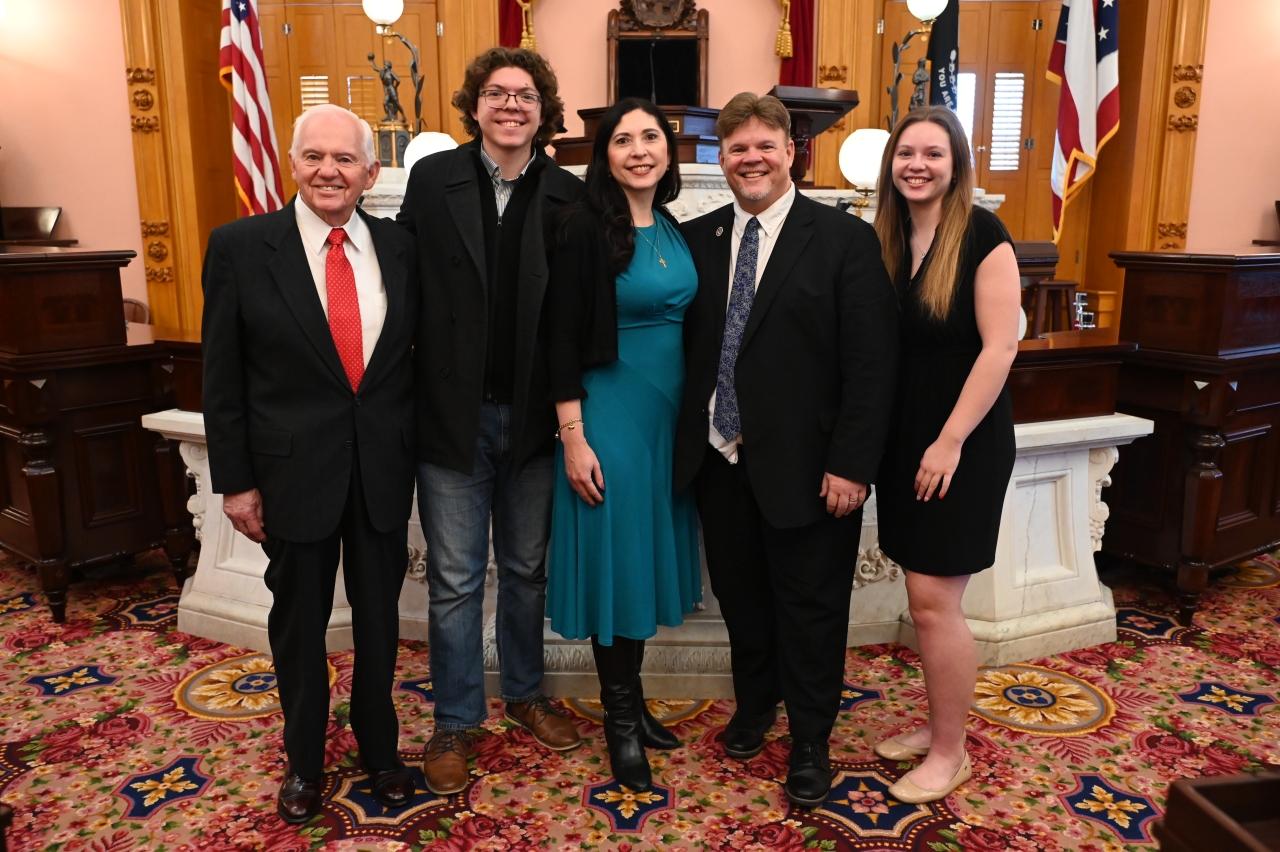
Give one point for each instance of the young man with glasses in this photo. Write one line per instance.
(485, 423)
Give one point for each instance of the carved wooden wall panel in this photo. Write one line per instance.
(848, 52)
(1178, 151)
(182, 146)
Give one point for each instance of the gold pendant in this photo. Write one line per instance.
(663, 262)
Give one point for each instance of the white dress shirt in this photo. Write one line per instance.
(358, 247)
(771, 221)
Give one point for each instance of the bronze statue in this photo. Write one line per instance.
(919, 97)
(390, 92)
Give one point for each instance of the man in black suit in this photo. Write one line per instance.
(791, 346)
(485, 418)
(309, 319)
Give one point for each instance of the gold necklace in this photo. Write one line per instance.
(656, 248)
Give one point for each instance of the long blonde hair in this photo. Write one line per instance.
(938, 284)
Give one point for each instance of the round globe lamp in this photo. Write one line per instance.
(926, 10)
(860, 157)
(426, 144)
(384, 13)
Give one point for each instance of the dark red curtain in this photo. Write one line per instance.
(510, 23)
(798, 70)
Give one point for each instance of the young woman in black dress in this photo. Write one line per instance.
(946, 469)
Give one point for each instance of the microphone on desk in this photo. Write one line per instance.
(653, 80)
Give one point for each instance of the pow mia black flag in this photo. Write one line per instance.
(944, 61)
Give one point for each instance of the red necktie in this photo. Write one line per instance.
(344, 308)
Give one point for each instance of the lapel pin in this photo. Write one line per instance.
(719, 231)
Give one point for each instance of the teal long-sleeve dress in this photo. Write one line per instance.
(629, 564)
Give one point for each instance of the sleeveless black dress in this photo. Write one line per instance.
(957, 534)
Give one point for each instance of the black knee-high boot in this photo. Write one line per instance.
(620, 696)
(655, 733)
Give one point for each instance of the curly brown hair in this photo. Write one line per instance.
(467, 99)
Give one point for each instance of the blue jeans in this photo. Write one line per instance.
(455, 510)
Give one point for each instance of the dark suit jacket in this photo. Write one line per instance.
(279, 411)
(442, 209)
(816, 370)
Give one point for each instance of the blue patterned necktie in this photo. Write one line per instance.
(743, 294)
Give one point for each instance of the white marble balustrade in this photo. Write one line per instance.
(1041, 597)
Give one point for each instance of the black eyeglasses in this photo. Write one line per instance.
(496, 99)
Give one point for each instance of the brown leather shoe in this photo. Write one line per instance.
(393, 787)
(298, 799)
(547, 724)
(446, 763)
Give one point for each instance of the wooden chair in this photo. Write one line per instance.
(135, 311)
(1053, 305)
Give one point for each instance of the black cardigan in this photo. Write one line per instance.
(580, 313)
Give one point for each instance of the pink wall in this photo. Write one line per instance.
(64, 123)
(1236, 181)
(571, 34)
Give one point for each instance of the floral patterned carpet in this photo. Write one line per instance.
(119, 733)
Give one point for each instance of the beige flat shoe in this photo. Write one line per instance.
(907, 791)
(894, 749)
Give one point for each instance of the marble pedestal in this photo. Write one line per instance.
(1041, 597)
(226, 599)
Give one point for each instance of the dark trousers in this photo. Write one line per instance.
(301, 576)
(784, 594)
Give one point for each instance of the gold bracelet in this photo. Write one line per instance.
(571, 425)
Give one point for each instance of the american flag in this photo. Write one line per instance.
(253, 136)
(1086, 62)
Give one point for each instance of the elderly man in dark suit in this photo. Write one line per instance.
(791, 350)
(309, 320)
(485, 419)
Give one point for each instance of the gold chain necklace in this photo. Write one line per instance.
(656, 248)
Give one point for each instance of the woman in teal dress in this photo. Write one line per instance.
(623, 559)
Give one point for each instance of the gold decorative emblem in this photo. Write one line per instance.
(628, 802)
(658, 14)
(172, 782)
(164, 275)
(1104, 802)
(1182, 123)
(143, 100)
(1172, 229)
(1184, 97)
(236, 688)
(1041, 701)
(157, 251)
(140, 75)
(1194, 73)
(147, 124)
(1232, 700)
(155, 229)
(833, 73)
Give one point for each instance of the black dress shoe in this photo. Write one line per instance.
(744, 736)
(298, 799)
(393, 787)
(809, 779)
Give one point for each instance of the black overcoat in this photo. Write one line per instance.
(442, 211)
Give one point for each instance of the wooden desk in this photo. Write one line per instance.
(1201, 492)
(1066, 374)
(81, 482)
